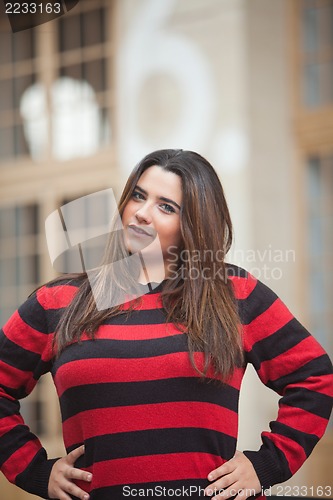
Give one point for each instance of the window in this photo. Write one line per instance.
(316, 52)
(19, 258)
(82, 88)
(56, 97)
(320, 247)
(17, 60)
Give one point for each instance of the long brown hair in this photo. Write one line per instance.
(198, 297)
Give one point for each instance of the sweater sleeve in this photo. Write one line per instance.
(25, 355)
(289, 360)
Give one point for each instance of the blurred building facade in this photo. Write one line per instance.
(249, 85)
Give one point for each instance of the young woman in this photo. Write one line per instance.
(148, 353)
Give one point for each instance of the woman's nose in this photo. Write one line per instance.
(143, 214)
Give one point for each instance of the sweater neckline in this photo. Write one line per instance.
(153, 286)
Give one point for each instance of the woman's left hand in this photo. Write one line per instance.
(236, 477)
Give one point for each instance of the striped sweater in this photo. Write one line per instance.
(146, 418)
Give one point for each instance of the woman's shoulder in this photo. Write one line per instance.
(59, 292)
(252, 294)
(234, 271)
(244, 283)
(65, 280)
(239, 276)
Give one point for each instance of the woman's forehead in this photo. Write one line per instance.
(160, 182)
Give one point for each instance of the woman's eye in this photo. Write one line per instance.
(137, 195)
(167, 208)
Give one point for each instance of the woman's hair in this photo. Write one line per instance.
(198, 296)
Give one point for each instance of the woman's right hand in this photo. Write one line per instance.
(62, 474)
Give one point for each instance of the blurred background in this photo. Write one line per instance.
(248, 84)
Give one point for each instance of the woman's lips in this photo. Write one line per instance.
(140, 231)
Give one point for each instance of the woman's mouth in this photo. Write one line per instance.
(140, 231)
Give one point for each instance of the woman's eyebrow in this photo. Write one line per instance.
(162, 198)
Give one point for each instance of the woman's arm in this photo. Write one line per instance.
(25, 355)
(291, 362)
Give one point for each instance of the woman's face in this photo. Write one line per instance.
(154, 208)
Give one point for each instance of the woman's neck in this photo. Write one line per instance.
(154, 274)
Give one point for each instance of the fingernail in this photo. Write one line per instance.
(89, 477)
(210, 477)
(86, 497)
